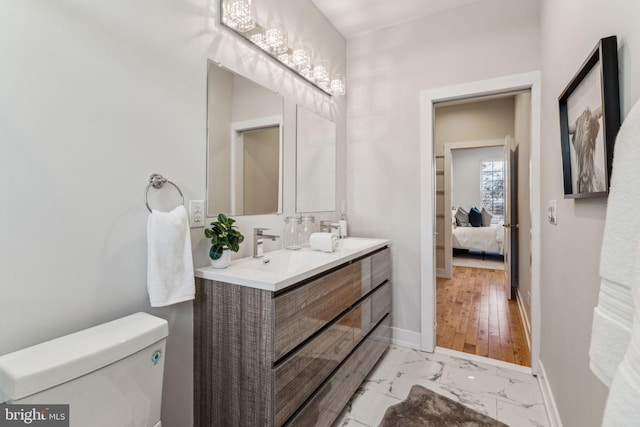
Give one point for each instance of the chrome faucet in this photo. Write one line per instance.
(258, 236)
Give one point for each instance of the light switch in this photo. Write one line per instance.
(551, 212)
(196, 213)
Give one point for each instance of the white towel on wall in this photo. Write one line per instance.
(170, 277)
(623, 403)
(613, 315)
(615, 339)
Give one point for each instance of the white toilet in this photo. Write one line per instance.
(110, 375)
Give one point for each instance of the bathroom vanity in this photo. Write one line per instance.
(288, 338)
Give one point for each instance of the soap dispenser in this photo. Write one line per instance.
(343, 222)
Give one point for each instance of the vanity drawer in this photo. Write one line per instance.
(380, 266)
(327, 404)
(365, 276)
(374, 309)
(305, 370)
(306, 309)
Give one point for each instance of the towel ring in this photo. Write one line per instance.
(157, 181)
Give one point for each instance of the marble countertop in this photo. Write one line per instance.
(282, 268)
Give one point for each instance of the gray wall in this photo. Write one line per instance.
(95, 97)
(473, 121)
(571, 250)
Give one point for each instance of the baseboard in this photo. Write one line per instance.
(406, 338)
(440, 272)
(547, 396)
(525, 320)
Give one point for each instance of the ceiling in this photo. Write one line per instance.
(356, 17)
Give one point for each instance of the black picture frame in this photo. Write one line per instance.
(589, 123)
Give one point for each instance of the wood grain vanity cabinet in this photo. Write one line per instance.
(292, 357)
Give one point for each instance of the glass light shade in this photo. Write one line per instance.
(276, 38)
(320, 72)
(285, 58)
(238, 14)
(301, 56)
(307, 73)
(337, 86)
(257, 37)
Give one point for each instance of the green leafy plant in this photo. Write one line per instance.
(223, 235)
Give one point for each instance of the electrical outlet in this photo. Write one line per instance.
(552, 213)
(196, 213)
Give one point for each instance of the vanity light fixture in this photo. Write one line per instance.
(239, 17)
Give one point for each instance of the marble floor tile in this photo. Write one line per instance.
(519, 416)
(510, 396)
(367, 408)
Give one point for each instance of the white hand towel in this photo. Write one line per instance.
(169, 261)
(623, 408)
(613, 316)
(325, 242)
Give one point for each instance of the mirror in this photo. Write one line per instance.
(244, 145)
(315, 163)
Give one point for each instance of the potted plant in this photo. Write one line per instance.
(225, 237)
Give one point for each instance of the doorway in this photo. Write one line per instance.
(526, 81)
(476, 178)
(477, 307)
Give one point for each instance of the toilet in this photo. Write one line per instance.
(109, 375)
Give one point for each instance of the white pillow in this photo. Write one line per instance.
(462, 217)
(486, 217)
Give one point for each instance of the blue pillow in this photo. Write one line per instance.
(475, 217)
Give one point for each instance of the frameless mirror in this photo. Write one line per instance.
(315, 163)
(244, 145)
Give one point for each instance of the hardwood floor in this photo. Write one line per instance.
(474, 316)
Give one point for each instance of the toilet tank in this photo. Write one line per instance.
(109, 375)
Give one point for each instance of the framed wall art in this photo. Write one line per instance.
(589, 122)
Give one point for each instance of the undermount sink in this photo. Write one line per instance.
(281, 268)
(281, 261)
(352, 244)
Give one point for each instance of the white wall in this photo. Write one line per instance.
(571, 250)
(95, 97)
(386, 72)
(465, 171)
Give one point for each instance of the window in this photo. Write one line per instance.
(492, 188)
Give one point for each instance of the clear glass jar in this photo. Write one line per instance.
(292, 234)
(308, 227)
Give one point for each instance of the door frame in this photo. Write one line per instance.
(428, 99)
(236, 158)
(448, 190)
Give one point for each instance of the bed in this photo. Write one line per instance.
(485, 239)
